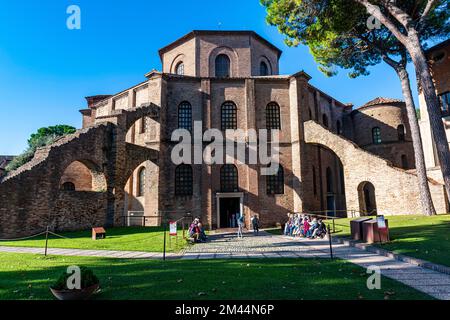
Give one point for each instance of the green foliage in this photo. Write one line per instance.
(43, 137)
(88, 279)
(337, 33)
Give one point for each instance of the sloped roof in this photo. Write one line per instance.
(381, 100)
(194, 33)
(438, 46)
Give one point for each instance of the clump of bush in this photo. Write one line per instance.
(88, 279)
(43, 137)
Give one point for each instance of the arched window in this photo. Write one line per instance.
(185, 116)
(183, 180)
(330, 184)
(338, 127)
(325, 120)
(179, 69)
(222, 66)
(263, 69)
(404, 162)
(376, 135)
(401, 132)
(342, 178)
(141, 182)
(275, 183)
(273, 120)
(229, 180)
(68, 186)
(229, 116)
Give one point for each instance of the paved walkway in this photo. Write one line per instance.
(431, 282)
(227, 246)
(93, 253)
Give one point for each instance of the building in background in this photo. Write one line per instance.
(439, 57)
(117, 169)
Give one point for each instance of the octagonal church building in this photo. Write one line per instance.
(117, 170)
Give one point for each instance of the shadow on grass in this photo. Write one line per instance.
(207, 279)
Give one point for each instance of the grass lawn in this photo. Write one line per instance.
(150, 239)
(416, 236)
(27, 276)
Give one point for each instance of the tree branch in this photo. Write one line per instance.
(426, 11)
(376, 12)
(398, 13)
(430, 5)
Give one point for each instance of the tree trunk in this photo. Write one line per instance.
(434, 110)
(424, 188)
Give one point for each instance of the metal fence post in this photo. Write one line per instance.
(331, 245)
(164, 249)
(46, 241)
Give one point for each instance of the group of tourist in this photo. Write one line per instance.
(302, 225)
(196, 231)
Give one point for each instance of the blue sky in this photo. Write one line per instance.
(46, 70)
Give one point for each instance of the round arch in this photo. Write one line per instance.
(83, 175)
(367, 198)
(266, 61)
(141, 203)
(175, 62)
(230, 53)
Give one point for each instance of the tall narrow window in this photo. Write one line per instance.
(404, 162)
(445, 101)
(401, 132)
(143, 125)
(229, 180)
(338, 127)
(229, 116)
(273, 120)
(376, 135)
(183, 180)
(314, 180)
(263, 69)
(330, 182)
(325, 120)
(185, 116)
(275, 183)
(222, 66)
(179, 70)
(341, 178)
(141, 182)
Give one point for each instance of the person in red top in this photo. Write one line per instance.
(306, 226)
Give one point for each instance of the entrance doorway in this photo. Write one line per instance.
(228, 208)
(367, 200)
(227, 204)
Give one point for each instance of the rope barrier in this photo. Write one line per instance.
(25, 238)
(48, 232)
(58, 235)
